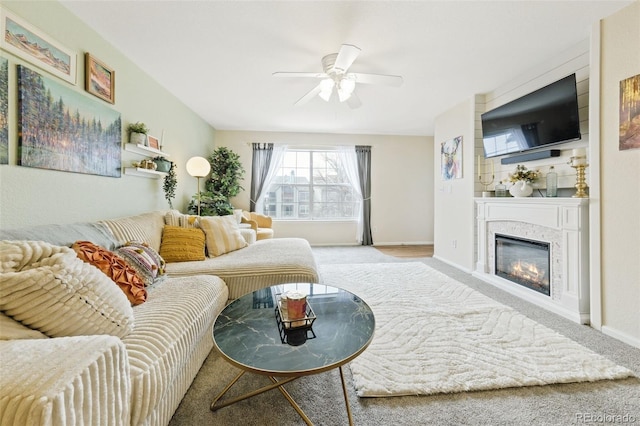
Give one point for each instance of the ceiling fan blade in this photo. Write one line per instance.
(354, 101)
(310, 95)
(300, 74)
(382, 79)
(348, 53)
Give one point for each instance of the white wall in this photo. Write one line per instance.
(402, 186)
(30, 196)
(453, 199)
(620, 182)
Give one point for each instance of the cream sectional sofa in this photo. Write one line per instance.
(139, 373)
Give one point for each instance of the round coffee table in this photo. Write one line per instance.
(247, 335)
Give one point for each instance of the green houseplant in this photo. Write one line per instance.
(138, 133)
(170, 183)
(222, 184)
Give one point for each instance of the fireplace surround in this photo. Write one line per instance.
(559, 223)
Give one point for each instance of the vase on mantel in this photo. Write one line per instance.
(521, 188)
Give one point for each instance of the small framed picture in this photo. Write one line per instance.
(100, 80)
(153, 142)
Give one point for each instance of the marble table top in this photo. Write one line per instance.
(246, 331)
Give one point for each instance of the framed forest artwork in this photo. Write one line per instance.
(4, 110)
(629, 113)
(62, 129)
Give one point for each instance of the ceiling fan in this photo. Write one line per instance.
(335, 75)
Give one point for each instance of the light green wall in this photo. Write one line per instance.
(30, 196)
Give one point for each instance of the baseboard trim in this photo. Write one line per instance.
(619, 335)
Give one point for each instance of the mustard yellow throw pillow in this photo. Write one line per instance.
(223, 234)
(182, 244)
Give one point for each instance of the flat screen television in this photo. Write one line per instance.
(547, 116)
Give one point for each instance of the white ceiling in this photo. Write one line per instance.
(218, 56)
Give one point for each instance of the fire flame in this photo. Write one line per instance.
(527, 271)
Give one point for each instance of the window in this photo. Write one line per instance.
(311, 184)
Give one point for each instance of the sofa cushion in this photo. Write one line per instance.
(264, 263)
(47, 288)
(11, 329)
(143, 228)
(223, 234)
(178, 314)
(64, 235)
(79, 380)
(147, 262)
(175, 218)
(115, 268)
(182, 244)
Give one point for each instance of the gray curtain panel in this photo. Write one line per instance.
(261, 160)
(364, 171)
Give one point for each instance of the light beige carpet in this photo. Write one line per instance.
(436, 335)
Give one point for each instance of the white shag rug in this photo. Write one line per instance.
(436, 335)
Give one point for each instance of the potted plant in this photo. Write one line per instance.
(162, 164)
(170, 183)
(522, 179)
(138, 133)
(222, 184)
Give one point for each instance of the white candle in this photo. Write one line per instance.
(162, 138)
(579, 157)
(492, 171)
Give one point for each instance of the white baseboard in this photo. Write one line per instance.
(455, 265)
(623, 337)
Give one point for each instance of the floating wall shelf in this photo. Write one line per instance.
(144, 150)
(148, 173)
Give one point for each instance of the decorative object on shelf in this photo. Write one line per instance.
(579, 162)
(148, 164)
(501, 190)
(29, 43)
(552, 182)
(629, 113)
(170, 183)
(100, 80)
(63, 147)
(163, 165)
(222, 185)
(486, 183)
(138, 133)
(451, 159)
(198, 167)
(521, 180)
(153, 142)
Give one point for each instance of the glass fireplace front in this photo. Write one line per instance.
(525, 262)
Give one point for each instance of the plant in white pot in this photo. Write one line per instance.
(138, 133)
(522, 179)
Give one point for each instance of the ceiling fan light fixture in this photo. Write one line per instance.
(346, 88)
(326, 89)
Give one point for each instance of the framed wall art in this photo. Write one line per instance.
(451, 158)
(153, 142)
(629, 113)
(100, 80)
(4, 110)
(29, 43)
(63, 129)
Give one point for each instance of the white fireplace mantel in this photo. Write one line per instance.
(561, 222)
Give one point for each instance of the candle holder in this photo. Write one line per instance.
(486, 193)
(580, 164)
